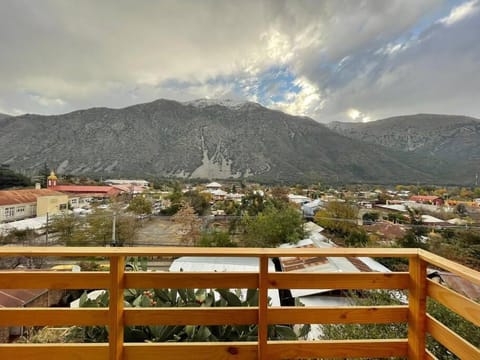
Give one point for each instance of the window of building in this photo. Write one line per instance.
(20, 209)
(9, 212)
(63, 206)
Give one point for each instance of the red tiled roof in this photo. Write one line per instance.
(24, 196)
(18, 297)
(87, 189)
(424, 197)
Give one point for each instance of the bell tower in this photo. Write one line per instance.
(51, 180)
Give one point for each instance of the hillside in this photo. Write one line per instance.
(455, 139)
(201, 140)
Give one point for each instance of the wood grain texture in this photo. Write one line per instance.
(54, 351)
(53, 280)
(338, 315)
(197, 251)
(262, 309)
(417, 299)
(336, 349)
(200, 351)
(52, 317)
(298, 280)
(458, 303)
(116, 304)
(195, 280)
(192, 316)
(458, 269)
(451, 340)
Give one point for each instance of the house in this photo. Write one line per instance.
(26, 203)
(21, 298)
(427, 199)
(325, 265)
(142, 183)
(213, 186)
(310, 208)
(218, 195)
(97, 192)
(298, 199)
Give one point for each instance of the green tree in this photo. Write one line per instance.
(43, 174)
(139, 205)
(94, 230)
(272, 227)
(215, 238)
(357, 238)
(11, 179)
(64, 227)
(252, 203)
(200, 202)
(337, 217)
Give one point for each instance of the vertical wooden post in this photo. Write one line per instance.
(115, 333)
(417, 291)
(263, 308)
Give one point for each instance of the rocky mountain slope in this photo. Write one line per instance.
(202, 139)
(452, 138)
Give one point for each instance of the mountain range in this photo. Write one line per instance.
(224, 139)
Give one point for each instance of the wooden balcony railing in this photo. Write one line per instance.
(116, 316)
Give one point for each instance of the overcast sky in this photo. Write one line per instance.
(330, 60)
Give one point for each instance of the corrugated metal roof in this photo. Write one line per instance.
(458, 284)
(24, 196)
(19, 297)
(32, 223)
(325, 265)
(224, 264)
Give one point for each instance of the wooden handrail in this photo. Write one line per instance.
(116, 317)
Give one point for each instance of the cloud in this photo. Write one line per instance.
(460, 12)
(313, 58)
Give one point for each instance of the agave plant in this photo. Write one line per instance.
(187, 333)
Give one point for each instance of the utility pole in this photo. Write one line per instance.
(114, 240)
(46, 233)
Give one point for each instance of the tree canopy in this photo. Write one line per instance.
(272, 227)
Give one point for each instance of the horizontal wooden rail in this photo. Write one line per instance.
(196, 251)
(54, 351)
(451, 340)
(191, 316)
(338, 315)
(460, 270)
(211, 350)
(53, 280)
(337, 349)
(460, 304)
(52, 317)
(298, 280)
(197, 280)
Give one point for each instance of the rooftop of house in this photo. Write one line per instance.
(87, 189)
(24, 196)
(18, 297)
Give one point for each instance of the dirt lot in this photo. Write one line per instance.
(158, 231)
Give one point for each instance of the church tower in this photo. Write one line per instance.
(51, 180)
